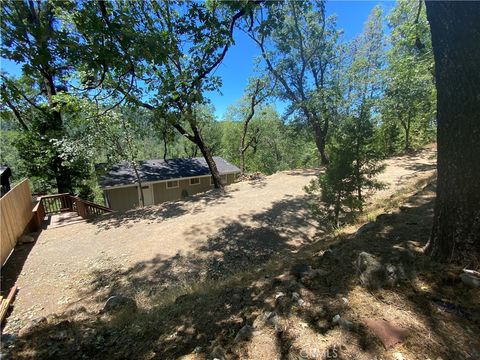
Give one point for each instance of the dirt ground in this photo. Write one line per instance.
(155, 251)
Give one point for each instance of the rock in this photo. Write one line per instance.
(281, 302)
(267, 318)
(116, 303)
(398, 356)
(244, 334)
(218, 353)
(301, 302)
(26, 239)
(470, 279)
(344, 301)
(295, 296)
(393, 274)
(364, 228)
(373, 275)
(370, 271)
(345, 324)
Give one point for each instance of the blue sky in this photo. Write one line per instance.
(237, 66)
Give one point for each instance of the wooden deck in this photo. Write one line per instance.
(63, 219)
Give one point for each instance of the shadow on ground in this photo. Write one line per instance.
(158, 213)
(194, 302)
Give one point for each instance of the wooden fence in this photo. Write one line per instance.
(16, 214)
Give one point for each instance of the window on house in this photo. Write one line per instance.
(172, 184)
(194, 181)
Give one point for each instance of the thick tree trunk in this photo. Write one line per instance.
(217, 181)
(320, 140)
(455, 39)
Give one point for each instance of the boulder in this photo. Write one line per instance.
(374, 275)
(119, 302)
(370, 271)
(365, 227)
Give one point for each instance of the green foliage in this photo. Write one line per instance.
(300, 48)
(409, 100)
(277, 146)
(352, 170)
(354, 157)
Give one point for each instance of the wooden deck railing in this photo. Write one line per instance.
(58, 203)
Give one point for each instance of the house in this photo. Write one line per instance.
(162, 180)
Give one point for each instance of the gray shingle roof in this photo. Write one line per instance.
(157, 170)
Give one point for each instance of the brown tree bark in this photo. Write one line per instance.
(198, 139)
(255, 99)
(320, 139)
(455, 38)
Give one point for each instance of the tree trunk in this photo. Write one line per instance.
(242, 148)
(62, 176)
(242, 161)
(139, 181)
(217, 181)
(407, 136)
(320, 137)
(455, 38)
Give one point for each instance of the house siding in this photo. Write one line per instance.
(122, 199)
(125, 198)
